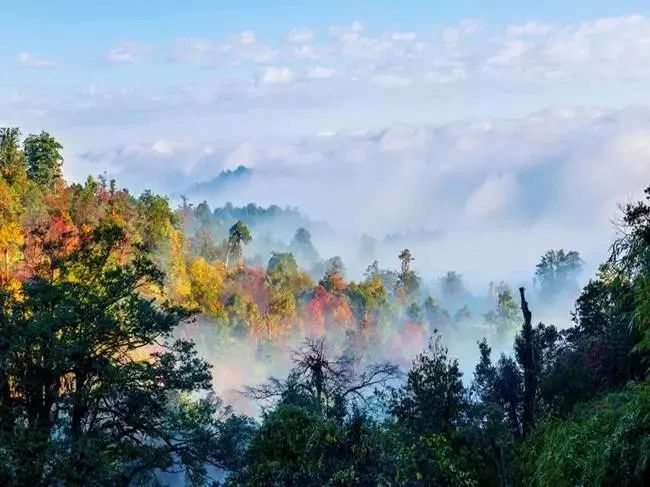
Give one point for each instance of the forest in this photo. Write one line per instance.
(113, 307)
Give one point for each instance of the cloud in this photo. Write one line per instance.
(27, 60)
(320, 72)
(403, 36)
(391, 80)
(614, 47)
(245, 38)
(190, 49)
(492, 197)
(527, 56)
(128, 52)
(530, 28)
(299, 35)
(452, 35)
(347, 33)
(240, 48)
(275, 75)
(502, 190)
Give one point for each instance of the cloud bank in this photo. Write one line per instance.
(552, 179)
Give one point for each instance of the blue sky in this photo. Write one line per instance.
(76, 38)
(465, 115)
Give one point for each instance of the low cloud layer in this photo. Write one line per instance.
(549, 180)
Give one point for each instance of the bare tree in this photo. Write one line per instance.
(324, 379)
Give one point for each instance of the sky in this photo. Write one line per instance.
(496, 122)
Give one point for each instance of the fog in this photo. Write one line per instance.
(497, 193)
(483, 198)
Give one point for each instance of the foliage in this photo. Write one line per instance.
(603, 442)
(97, 388)
(44, 159)
(557, 271)
(88, 366)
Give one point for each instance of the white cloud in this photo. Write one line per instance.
(549, 179)
(190, 49)
(347, 33)
(404, 36)
(320, 72)
(530, 55)
(300, 35)
(452, 35)
(164, 147)
(275, 75)
(245, 38)
(27, 60)
(240, 48)
(530, 28)
(492, 197)
(128, 52)
(391, 80)
(305, 51)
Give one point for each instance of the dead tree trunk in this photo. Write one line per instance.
(528, 363)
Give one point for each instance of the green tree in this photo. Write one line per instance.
(44, 159)
(12, 159)
(238, 236)
(367, 298)
(436, 314)
(603, 442)
(433, 399)
(303, 248)
(506, 313)
(414, 313)
(281, 269)
(557, 271)
(452, 287)
(408, 283)
(90, 372)
(630, 261)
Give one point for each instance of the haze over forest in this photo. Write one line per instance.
(281, 244)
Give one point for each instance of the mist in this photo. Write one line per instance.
(494, 193)
(462, 320)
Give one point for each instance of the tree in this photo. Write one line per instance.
(333, 279)
(433, 398)
(463, 314)
(452, 287)
(203, 213)
(435, 314)
(12, 159)
(527, 358)
(630, 263)
(90, 369)
(238, 236)
(408, 282)
(44, 159)
(367, 298)
(602, 442)
(557, 271)
(330, 383)
(506, 313)
(414, 313)
(281, 269)
(303, 248)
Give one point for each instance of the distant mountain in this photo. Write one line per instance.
(224, 180)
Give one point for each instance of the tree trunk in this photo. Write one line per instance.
(528, 363)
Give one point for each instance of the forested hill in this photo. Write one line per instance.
(100, 384)
(228, 179)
